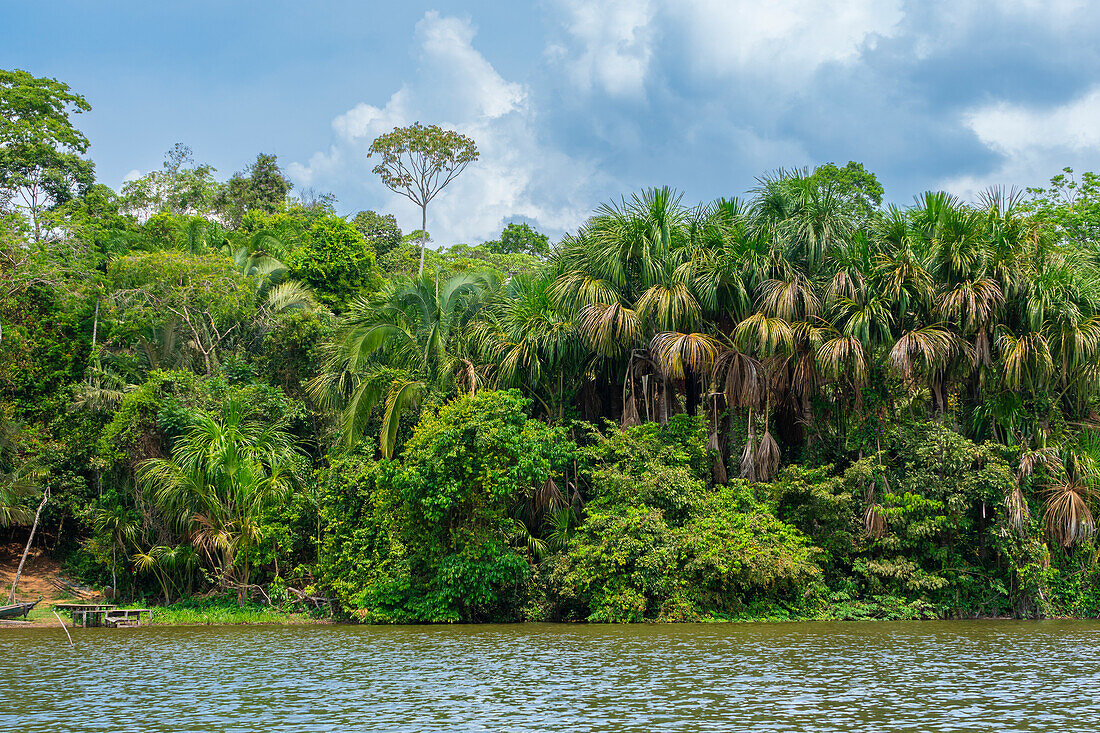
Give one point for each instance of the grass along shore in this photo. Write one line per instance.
(217, 611)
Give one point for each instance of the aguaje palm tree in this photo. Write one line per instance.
(223, 475)
(393, 348)
(529, 341)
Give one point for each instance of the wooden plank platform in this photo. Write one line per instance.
(126, 618)
(87, 614)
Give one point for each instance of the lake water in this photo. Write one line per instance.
(920, 676)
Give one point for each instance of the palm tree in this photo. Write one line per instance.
(528, 340)
(121, 526)
(811, 222)
(900, 272)
(16, 486)
(224, 474)
(1068, 517)
(1025, 360)
(397, 345)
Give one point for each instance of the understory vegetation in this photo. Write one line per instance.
(802, 403)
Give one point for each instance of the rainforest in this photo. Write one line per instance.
(797, 403)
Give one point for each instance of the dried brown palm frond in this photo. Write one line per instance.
(1066, 512)
(739, 376)
(712, 421)
(748, 460)
(547, 497)
(874, 521)
(630, 413)
(983, 349)
(767, 458)
(1046, 458)
(1016, 508)
(467, 376)
(748, 454)
(576, 501)
(804, 379)
(636, 388)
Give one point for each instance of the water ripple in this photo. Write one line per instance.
(945, 676)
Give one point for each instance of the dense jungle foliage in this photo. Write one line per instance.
(800, 403)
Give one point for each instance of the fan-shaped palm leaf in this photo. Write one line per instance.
(924, 350)
(609, 329)
(764, 335)
(682, 354)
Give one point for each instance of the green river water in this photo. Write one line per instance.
(918, 676)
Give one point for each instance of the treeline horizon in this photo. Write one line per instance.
(800, 403)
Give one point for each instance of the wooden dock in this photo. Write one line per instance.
(95, 615)
(125, 618)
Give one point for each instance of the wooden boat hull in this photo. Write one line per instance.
(19, 609)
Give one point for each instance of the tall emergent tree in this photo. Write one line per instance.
(418, 162)
(40, 150)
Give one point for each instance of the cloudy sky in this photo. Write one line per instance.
(574, 102)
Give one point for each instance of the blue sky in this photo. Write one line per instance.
(575, 102)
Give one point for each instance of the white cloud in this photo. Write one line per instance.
(1013, 129)
(133, 175)
(611, 45)
(1033, 143)
(516, 176)
(613, 42)
(784, 40)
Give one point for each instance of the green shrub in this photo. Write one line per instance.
(426, 538)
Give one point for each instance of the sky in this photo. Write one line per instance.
(577, 102)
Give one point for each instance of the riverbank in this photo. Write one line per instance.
(225, 612)
(206, 612)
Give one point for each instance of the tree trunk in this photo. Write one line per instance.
(95, 324)
(30, 539)
(691, 393)
(242, 589)
(423, 234)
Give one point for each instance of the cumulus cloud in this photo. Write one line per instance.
(1032, 142)
(518, 176)
(609, 45)
(785, 40)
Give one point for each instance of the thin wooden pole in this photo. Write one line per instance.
(63, 628)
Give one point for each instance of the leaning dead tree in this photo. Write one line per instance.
(30, 539)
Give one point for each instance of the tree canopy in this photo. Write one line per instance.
(418, 162)
(796, 403)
